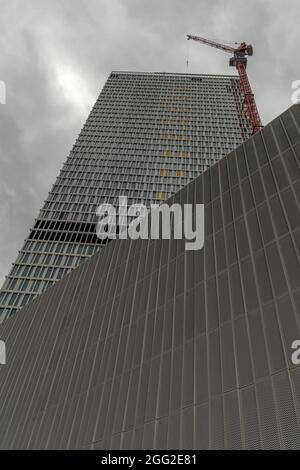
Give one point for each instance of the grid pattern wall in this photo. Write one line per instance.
(147, 345)
(147, 136)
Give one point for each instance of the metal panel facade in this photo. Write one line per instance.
(147, 345)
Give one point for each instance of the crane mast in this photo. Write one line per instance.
(239, 61)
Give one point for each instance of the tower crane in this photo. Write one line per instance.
(239, 61)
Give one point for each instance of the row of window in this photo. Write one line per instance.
(61, 248)
(36, 272)
(157, 122)
(137, 167)
(48, 260)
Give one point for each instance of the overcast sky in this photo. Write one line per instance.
(56, 55)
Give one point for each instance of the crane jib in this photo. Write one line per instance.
(239, 60)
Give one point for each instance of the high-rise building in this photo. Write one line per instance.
(147, 136)
(149, 345)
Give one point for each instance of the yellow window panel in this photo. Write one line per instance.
(183, 154)
(164, 173)
(180, 173)
(160, 195)
(167, 153)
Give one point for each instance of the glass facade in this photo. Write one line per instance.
(147, 136)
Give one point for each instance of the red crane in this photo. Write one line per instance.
(239, 60)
